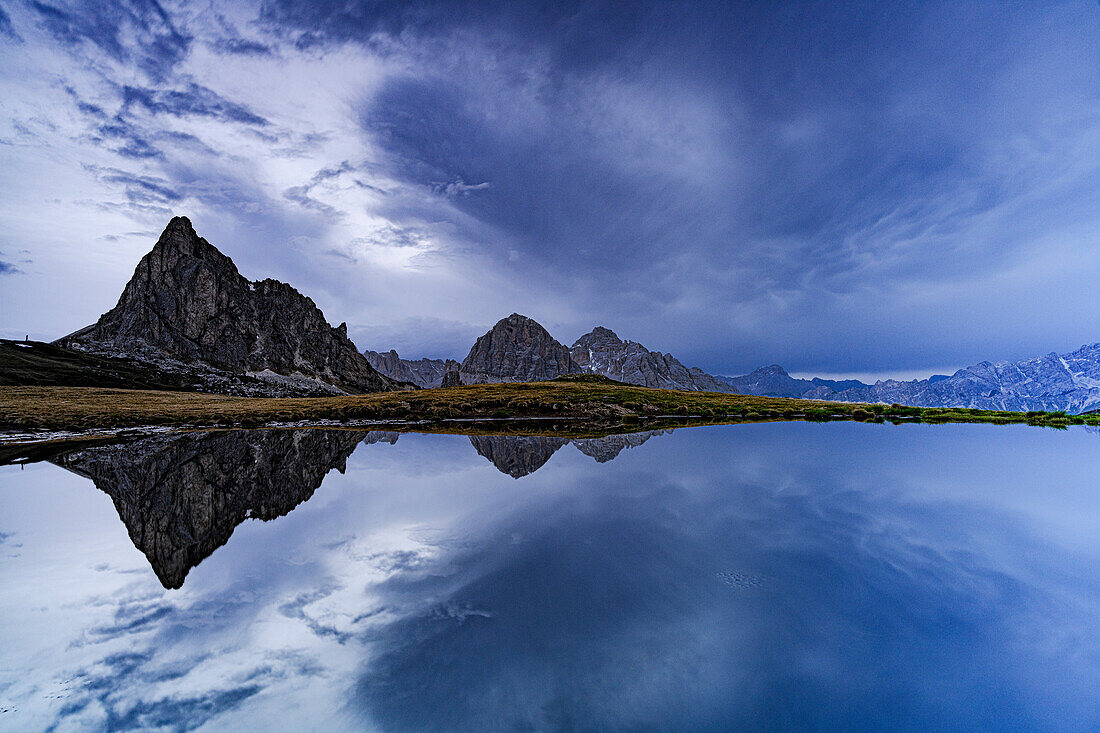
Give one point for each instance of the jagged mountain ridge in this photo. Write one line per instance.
(187, 306)
(516, 456)
(1069, 382)
(426, 373)
(774, 381)
(601, 351)
(609, 447)
(518, 349)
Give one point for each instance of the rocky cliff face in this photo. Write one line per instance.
(181, 496)
(516, 349)
(602, 352)
(425, 373)
(1069, 382)
(188, 305)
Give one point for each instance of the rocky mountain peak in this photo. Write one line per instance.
(601, 351)
(187, 303)
(516, 349)
(599, 336)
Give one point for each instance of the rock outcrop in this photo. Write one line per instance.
(181, 496)
(516, 349)
(602, 352)
(187, 306)
(425, 373)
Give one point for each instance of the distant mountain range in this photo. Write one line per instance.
(518, 349)
(1069, 382)
(187, 319)
(425, 373)
(774, 381)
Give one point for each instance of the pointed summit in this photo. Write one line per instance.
(187, 303)
(516, 349)
(598, 336)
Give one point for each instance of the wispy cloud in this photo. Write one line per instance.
(192, 100)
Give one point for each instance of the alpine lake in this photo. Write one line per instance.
(780, 576)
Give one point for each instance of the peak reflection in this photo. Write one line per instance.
(181, 496)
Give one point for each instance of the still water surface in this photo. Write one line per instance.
(787, 576)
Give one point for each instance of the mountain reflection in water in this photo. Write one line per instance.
(181, 496)
(782, 576)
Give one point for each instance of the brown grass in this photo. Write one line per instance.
(89, 408)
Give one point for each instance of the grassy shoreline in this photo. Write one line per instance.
(595, 404)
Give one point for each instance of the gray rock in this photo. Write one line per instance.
(451, 379)
(187, 304)
(516, 349)
(602, 352)
(426, 373)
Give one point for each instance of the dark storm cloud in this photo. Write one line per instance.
(131, 140)
(837, 152)
(135, 31)
(837, 187)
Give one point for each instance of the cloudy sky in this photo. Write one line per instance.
(887, 189)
